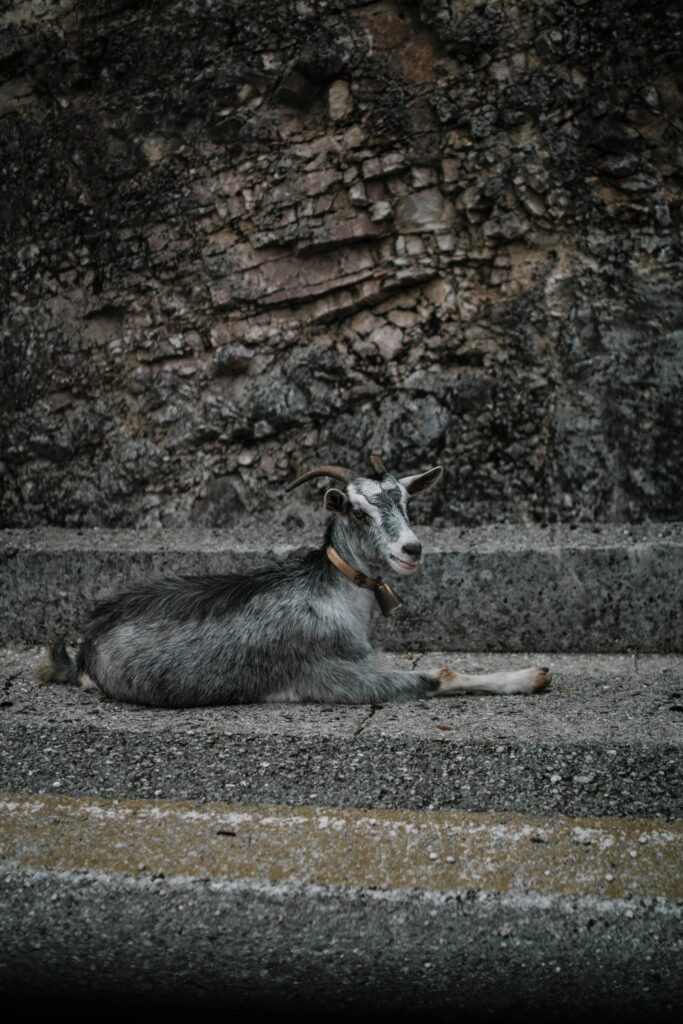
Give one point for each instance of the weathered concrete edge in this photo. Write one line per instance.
(562, 592)
(351, 771)
(225, 943)
(439, 851)
(515, 536)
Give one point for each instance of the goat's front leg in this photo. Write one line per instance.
(528, 680)
(337, 681)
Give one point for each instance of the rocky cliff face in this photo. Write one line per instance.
(242, 236)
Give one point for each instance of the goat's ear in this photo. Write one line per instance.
(335, 500)
(421, 482)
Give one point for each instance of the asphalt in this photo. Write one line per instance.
(316, 908)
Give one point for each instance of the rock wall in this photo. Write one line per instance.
(242, 236)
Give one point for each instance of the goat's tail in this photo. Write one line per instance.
(59, 666)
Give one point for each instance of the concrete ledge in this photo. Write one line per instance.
(495, 588)
(216, 904)
(606, 738)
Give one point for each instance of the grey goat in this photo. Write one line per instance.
(295, 629)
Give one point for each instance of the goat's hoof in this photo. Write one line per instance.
(542, 679)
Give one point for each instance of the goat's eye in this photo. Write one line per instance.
(359, 515)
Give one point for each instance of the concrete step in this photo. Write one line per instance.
(470, 853)
(316, 906)
(605, 739)
(503, 588)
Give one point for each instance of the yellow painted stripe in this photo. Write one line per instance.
(431, 850)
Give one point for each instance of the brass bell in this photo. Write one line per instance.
(387, 599)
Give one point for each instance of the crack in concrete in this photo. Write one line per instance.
(414, 658)
(366, 721)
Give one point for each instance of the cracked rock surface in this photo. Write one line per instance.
(238, 238)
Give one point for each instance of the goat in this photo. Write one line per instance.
(294, 629)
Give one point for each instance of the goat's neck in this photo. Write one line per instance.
(343, 545)
(359, 601)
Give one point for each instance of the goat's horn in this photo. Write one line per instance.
(378, 464)
(338, 472)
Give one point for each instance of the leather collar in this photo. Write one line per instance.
(355, 575)
(385, 595)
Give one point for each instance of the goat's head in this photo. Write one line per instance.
(372, 513)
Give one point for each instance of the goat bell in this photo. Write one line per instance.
(387, 599)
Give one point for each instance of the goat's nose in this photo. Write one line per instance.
(414, 549)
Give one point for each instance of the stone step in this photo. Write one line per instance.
(453, 854)
(605, 739)
(502, 588)
(269, 905)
